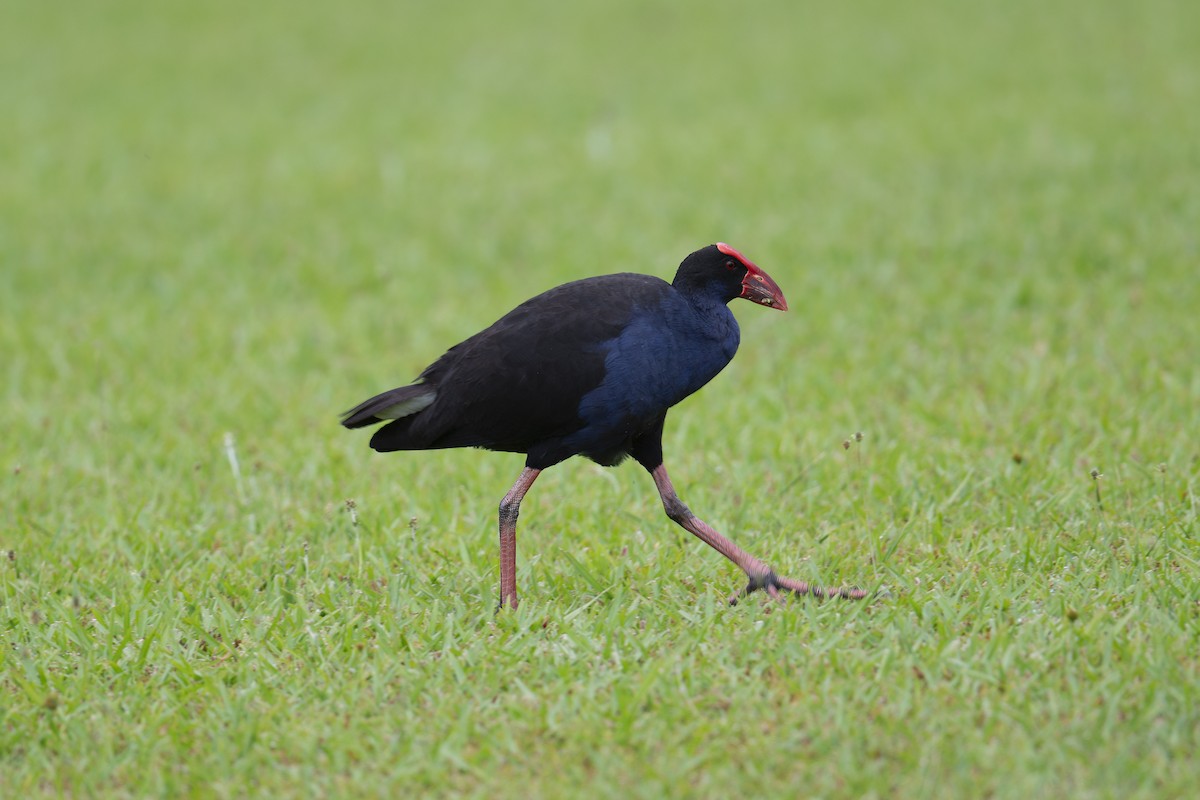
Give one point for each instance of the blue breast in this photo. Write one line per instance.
(663, 354)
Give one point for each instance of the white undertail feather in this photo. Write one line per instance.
(407, 407)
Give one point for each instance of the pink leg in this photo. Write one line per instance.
(510, 507)
(761, 576)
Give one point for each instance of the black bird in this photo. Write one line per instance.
(588, 368)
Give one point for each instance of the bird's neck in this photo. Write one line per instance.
(704, 299)
(710, 318)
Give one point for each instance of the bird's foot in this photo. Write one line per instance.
(766, 580)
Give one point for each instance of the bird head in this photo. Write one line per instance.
(721, 269)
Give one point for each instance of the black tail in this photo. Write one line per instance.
(393, 404)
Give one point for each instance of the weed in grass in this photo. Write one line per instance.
(1096, 476)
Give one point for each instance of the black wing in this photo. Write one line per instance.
(519, 382)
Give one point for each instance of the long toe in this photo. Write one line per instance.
(803, 587)
(772, 584)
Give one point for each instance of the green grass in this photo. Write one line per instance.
(221, 224)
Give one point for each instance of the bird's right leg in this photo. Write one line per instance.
(510, 507)
(761, 576)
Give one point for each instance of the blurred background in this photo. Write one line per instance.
(218, 218)
(221, 224)
(222, 220)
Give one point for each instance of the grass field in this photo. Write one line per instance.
(221, 224)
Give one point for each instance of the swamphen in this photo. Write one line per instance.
(588, 368)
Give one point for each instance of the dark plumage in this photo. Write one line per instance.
(588, 368)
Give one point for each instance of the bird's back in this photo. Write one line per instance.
(520, 382)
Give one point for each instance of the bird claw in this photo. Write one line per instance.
(508, 603)
(773, 585)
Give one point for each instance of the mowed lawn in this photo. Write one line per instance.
(221, 224)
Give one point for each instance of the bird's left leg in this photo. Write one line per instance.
(761, 576)
(510, 507)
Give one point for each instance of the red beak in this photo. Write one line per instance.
(758, 287)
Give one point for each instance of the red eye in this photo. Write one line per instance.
(729, 264)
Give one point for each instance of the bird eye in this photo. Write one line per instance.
(729, 264)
